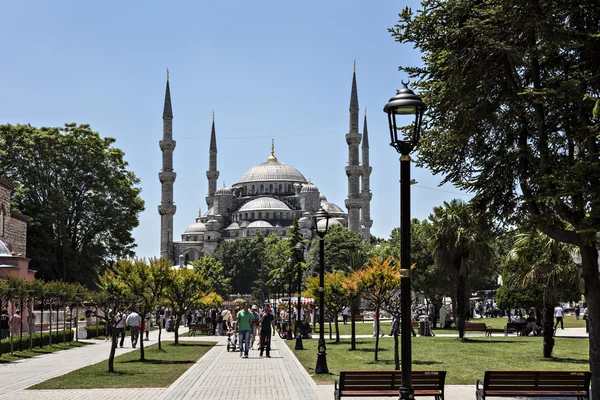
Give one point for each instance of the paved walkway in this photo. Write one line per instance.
(217, 375)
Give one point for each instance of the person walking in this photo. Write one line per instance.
(558, 313)
(15, 323)
(345, 314)
(253, 326)
(134, 321)
(4, 325)
(266, 322)
(243, 325)
(121, 329)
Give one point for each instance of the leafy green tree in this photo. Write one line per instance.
(338, 242)
(334, 295)
(185, 290)
(242, 262)
(214, 272)
(461, 242)
(513, 93)
(82, 200)
(160, 278)
(355, 259)
(548, 263)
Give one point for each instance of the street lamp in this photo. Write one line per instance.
(290, 263)
(405, 102)
(299, 249)
(321, 222)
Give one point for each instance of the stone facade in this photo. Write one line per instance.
(13, 225)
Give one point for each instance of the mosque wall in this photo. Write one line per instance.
(13, 225)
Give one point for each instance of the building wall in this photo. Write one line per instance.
(13, 225)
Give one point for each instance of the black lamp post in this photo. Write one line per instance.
(290, 263)
(321, 222)
(405, 102)
(299, 249)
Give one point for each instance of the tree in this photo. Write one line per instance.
(337, 241)
(355, 259)
(377, 282)
(543, 262)
(242, 261)
(513, 93)
(82, 200)
(461, 241)
(335, 295)
(160, 279)
(185, 290)
(214, 272)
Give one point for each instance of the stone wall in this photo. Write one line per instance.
(13, 225)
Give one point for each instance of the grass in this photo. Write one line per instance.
(497, 324)
(464, 361)
(37, 351)
(160, 369)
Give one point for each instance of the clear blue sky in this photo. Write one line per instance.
(269, 70)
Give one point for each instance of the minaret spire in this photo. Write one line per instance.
(167, 177)
(212, 174)
(353, 169)
(365, 192)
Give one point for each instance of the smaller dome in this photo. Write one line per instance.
(210, 211)
(334, 208)
(198, 227)
(309, 188)
(223, 191)
(322, 197)
(260, 224)
(244, 224)
(332, 221)
(212, 225)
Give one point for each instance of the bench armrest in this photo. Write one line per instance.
(478, 383)
(337, 383)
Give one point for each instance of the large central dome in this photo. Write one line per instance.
(272, 170)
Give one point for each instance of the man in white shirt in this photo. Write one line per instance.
(558, 313)
(134, 321)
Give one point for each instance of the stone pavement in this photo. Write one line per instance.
(217, 375)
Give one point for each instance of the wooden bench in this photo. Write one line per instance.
(203, 328)
(478, 326)
(534, 384)
(387, 383)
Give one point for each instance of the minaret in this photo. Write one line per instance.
(365, 191)
(353, 169)
(167, 209)
(212, 174)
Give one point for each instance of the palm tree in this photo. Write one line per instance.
(544, 262)
(461, 239)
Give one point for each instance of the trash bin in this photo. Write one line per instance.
(424, 326)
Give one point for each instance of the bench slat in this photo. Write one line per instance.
(535, 384)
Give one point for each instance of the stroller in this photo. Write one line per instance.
(232, 338)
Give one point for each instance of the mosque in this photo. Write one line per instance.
(266, 198)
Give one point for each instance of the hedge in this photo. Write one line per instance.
(94, 331)
(57, 337)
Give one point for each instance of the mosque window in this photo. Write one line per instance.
(245, 215)
(267, 215)
(259, 215)
(271, 188)
(280, 188)
(252, 215)
(289, 188)
(2, 220)
(262, 188)
(252, 190)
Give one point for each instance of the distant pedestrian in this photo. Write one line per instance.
(147, 323)
(558, 313)
(586, 318)
(121, 329)
(4, 325)
(15, 323)
(254, 326)
(266, 323)
(135, 322)
(243, 326)
(345, 314)
(577, 312)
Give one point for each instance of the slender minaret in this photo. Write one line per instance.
(353, 169)
(212, 174)
(167, 209)
(365, 191)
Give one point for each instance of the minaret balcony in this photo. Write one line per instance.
(167, 176)
(353, 138)
(167, 145)
(353, 203)
(354, 170)
(167, 209)
(212, 174)
(366, 171)
(366, 195)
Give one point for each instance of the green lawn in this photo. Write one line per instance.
(463, 361)
(37, 351)
(161, 369)
(498, 324)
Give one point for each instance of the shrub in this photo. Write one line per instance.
(57, 337)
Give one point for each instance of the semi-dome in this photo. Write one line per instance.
(233, 225)
(265, 203)
(198, 227)
(334, 208)
(332, 221)
(260, 224)
(272, 171)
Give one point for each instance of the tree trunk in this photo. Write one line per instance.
(377, 325)
(461, 307)
(337, 329)
(113, 347)
(177, 330)
(396, 349)
(548, 323)
(352, 327)
(591, 276)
